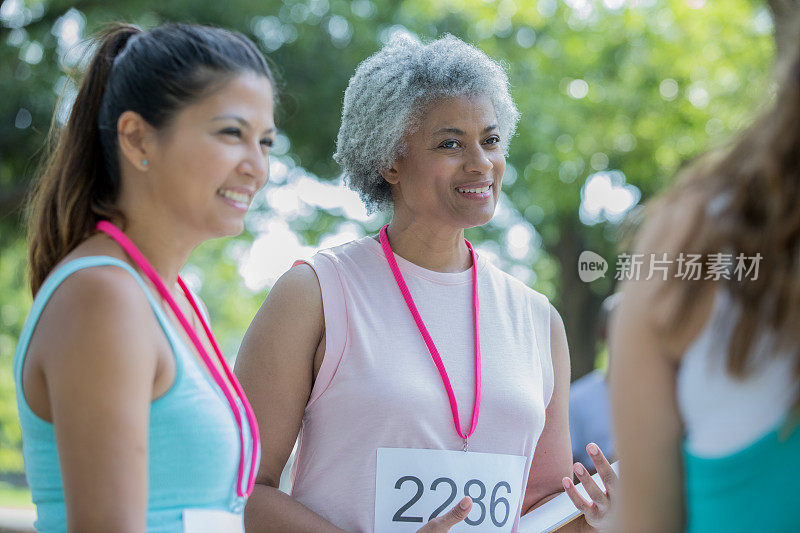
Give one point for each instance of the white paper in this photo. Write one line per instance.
(557, 511)
(437, 477)
(212, 521)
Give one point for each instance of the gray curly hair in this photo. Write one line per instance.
(388, 93)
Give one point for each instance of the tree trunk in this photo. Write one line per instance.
(786, 15)
(579, 306)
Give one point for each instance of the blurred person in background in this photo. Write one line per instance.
(394, 354)
(128, 424)
(705, 376)
(589, 402)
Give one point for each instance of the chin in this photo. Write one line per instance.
(478, 220)
(229, 229)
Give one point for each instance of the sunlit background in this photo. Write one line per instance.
(615, 96)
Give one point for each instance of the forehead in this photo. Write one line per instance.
(467, 113)
(247, 95)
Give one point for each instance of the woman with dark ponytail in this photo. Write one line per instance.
(131, 419)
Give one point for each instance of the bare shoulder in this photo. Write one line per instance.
(292, 311)
(556, 322)
(296, 294)
(300, 283)
(101, 306)
(98, 290)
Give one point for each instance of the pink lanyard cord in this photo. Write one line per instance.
(130, 248)
(398, 276)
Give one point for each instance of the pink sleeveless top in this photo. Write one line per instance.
(378, 386)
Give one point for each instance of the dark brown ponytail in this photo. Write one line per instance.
(72, 193)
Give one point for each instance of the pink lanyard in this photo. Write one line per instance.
(401, 283)
(137, 256)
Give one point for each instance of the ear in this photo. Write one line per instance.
(391, 175)
(135, 139)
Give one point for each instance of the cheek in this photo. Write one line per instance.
(184, 155)
(499, 162)
(500, 169)
(210, 161)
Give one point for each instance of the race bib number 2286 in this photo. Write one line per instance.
(413, 486)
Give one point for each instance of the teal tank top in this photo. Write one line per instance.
(194, 444)
(750, 490)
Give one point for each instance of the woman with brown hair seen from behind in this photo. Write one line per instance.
(131, 419)
(705, 376)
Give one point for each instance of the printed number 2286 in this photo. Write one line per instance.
(497, 500)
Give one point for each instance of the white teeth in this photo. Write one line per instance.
(240, 197)
(480, 190)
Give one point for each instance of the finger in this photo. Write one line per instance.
(603, 467)
(595, 493)
(456, 514)
(582, 505)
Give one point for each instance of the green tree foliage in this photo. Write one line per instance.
(603, 86)
(15, 301)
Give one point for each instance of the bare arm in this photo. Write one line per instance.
(552, 459)
(276, 369)
(99, 364)
(647, 423)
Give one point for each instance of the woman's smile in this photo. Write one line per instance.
(239, 198)
(476, 191)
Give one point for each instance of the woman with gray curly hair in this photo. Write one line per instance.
(348, 345)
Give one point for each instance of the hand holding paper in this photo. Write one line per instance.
(594, 497)
(597, 510)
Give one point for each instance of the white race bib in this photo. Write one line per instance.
(413, 486)
(212, 521)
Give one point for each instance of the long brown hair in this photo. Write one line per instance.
(154, 73)
(751, 190)
(67, 200)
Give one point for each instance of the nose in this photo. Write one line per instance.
(478, 161)
(256, 165)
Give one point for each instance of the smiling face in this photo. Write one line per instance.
(205, 166)
(451, 173)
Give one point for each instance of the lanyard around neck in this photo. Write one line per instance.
(401, 283)
(115, 233)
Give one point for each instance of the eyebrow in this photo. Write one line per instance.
(240, 120)
(449, 129)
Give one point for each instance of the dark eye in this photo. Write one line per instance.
(494, 139)
(234, 132)
(449, 144)
(267, 141)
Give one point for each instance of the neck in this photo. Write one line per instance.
(440, 250)
(164, 237)
(166, 251)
